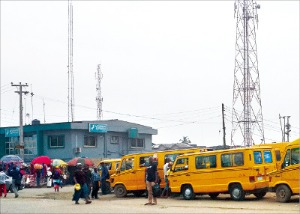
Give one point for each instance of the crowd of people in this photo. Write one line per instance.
(87, 182)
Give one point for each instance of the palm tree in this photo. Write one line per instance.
(185, 140)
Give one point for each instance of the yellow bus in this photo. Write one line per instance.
(238, 172)
(130, 176)
(285, 181)
(112, 166)
(279, 151)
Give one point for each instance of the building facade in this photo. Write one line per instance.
(92, 139)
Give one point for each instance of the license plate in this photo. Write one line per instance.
(259, 178)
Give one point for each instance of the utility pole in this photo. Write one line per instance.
(286, 128)
(224, 128)
(21, 92)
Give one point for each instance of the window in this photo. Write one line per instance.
(171, 157)
(144, 161)
(232, 159)
(136, 143)
(182, 164)
(268, 156)
(278, 155)
(257, 157)
(114, 139)
(127, 164)
(291, 157)
(204, 162)
(90, 141)
(56, 141)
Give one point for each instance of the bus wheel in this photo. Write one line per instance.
(237, 193)
(188, 192)
(213, 195)
(260, 195)
(283, 193)
(120, 191)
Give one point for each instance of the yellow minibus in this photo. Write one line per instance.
(130, 176)
(285, 181)
(112, 166)
(238, 172)
(279, 151)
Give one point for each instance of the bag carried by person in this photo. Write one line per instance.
(156, 191)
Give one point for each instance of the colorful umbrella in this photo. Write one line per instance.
(58, 162)
(41, 160)
(11, 159)
(83, 161)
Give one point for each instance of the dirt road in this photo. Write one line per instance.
(45, 200)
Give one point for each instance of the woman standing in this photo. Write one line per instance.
(151, 176)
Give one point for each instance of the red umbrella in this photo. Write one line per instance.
(41, 159)
(83, 161)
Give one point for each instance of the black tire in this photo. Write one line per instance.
(237, 193)
(138, 193)
(260, 195)
(120, 191)
(188, 193)
(213, 195)
(283, 193)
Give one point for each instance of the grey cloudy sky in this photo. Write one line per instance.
(168, 65)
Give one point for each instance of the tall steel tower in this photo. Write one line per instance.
(99, 98)
(70, 63)
(247, 118)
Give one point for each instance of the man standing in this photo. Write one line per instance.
(79, 178)
(15, 174)
(104, 176)
(95, 180)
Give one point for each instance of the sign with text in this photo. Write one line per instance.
(12, 132)
(98, 128)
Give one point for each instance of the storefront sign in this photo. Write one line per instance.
(12, 132)
(96, 127)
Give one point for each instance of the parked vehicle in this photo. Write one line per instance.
(285, 181)
(130, 176)
(238, 172)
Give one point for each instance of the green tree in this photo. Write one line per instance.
(185, 140)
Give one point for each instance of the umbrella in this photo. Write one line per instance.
(11, 158)
(58, 162)
(83, 161)
(41, 160)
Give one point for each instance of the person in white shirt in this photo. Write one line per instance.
(166, 191)
(3, 177)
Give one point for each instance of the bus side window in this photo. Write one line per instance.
(295, 157)
(278, 155)
(268, 156)
(238, 159)
(257, 157)
(225, 160)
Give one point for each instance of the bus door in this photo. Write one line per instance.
(127, 173)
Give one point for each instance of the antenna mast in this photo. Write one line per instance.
(99, 98)
(246, 88)
(70, 63)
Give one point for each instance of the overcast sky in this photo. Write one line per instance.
(168, 65)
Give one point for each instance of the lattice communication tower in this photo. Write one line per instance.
(247, 118)
(99, 98)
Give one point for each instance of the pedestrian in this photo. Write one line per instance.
(104, 176)
(166, 192)
(95, 179)
(88, 178)
(38, 173)
(151, 178)
(15, 174)
(82, 192)
(56, 176)
(3, 177)
(49, 178)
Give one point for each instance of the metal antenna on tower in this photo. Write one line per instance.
(247, 109)
(99, 98)
(70, 63)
